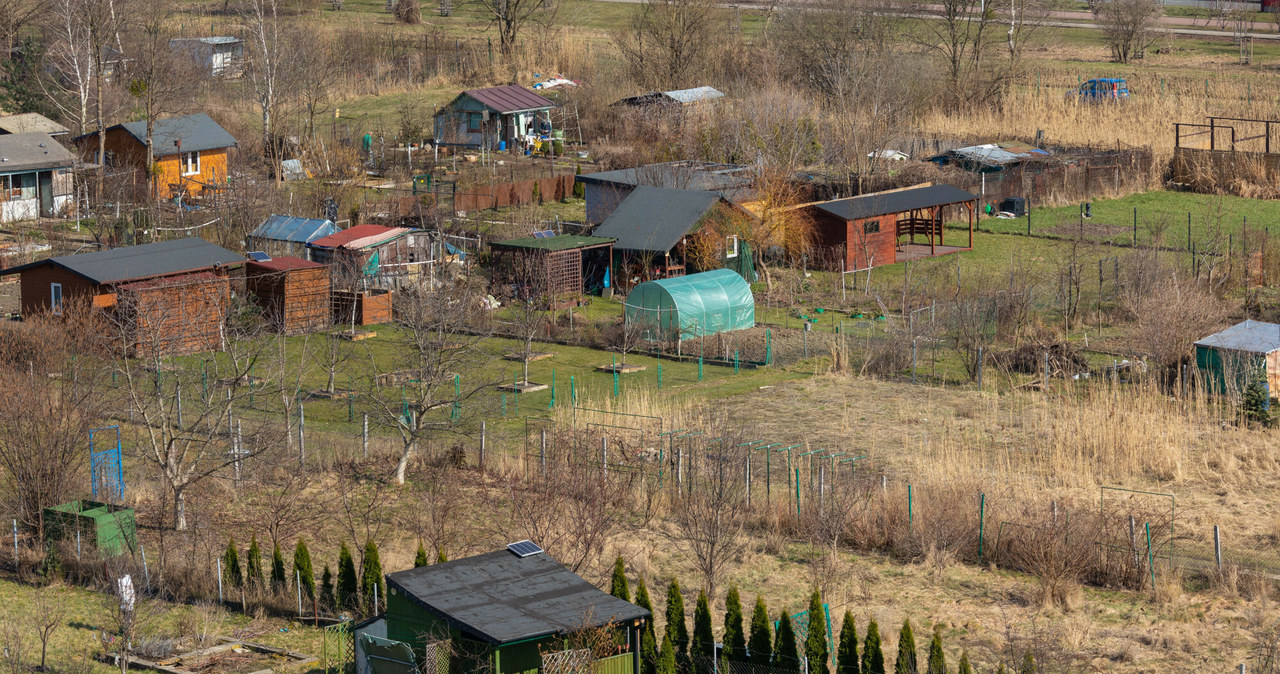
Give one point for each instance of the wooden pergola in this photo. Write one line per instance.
(549, 267)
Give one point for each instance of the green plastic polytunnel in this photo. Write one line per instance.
(693, 306)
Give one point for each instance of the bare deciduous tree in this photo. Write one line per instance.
(15, 15)
(511, 16)
(709, 519)
(962, 36)
(159, 81)
(1130, 26)
(666, 41)
(438, 339)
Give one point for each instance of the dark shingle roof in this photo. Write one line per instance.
(510, 98)
(680, 175)
(1247, 336)
(32, 151)
(31, 121)
(872, 205)
(501, 598)
(197, 132)
(554, 243)
(653, 219)
(141, 262)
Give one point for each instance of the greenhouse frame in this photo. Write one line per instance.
(693, 306)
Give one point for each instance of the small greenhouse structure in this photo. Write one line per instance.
(692, 306)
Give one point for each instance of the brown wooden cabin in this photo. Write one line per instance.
(293, 293)
(883, 228)
(166, 298)
(557, 269)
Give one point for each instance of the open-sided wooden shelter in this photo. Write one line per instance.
(889, 227)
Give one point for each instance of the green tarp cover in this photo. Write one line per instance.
(386, 656)
(695, 305)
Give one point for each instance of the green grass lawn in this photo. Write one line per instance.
(86, 614)
(1162, 218)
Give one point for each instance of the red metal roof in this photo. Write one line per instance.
(284, 263)
(351, 234)
(510, 98)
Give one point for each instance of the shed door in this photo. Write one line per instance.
(46, 194)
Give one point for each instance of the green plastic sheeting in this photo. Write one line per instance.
(695, 305)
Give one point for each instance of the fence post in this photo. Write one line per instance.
(746, 472)
(604, 455)
(15, 543)
(364, 436)
(542, 454)
(797, 492)
(982, 520)
(911, 515)
(483, 429)
(1135, 226)
(913, 360)
(735, 361)
(1217, 548)
(302, 437)
(979, 376)
(220, 582)
(1151, 566)
(78, 545)
(146, 573)
(297, 574)
(1046, 371)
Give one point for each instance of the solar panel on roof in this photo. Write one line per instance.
(258, 256)
(524, 549)
(544, 234)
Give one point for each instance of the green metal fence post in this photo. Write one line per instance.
(1151, 562)
(659, 376)
(797, 492)
(911, 516)
(552, 404)
(699, 368)
(768, 346)
(982, 518)
(735, 361)
(504, 405)
(351, 406)
(573, 392)
(615, 376)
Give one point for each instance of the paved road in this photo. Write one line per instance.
(1178, 25)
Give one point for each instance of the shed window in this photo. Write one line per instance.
(731, 246)
(55, 298)
(18, 186)
(475, 122)
(871, 227)
(190, 163)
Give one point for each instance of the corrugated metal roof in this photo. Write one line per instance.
(694, 95)
(197, 132)
(554, 243)
(149, 260)
(509, 98)
(217, 39)
(29, 122)
(283, 263)
(901, 201)
(991, 154)
(500, 598)
(294, 228)
(360, 236)
(654, 219)
(33, 151)
(1247, 336)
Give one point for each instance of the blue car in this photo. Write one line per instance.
(1101, 89)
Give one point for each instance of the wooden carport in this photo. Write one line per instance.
(558, 268)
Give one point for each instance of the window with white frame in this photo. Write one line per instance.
(190, 163)
(731, 246)
(55, 298)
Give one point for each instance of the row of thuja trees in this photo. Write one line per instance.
(765, 648)
(360, 591)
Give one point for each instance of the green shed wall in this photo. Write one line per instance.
(1228, 371)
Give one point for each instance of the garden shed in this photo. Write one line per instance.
(1231, 359)
(293, 293)
(557, 268)
(696, 305)
(109, 528)
(512, 611)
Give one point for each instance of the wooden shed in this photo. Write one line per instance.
(169, 297)
(895, 226)
(293, 293)
(370, 307)
(557, 268)
(174, 314)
